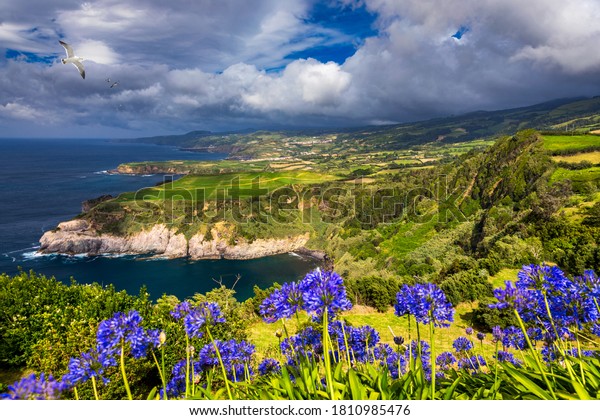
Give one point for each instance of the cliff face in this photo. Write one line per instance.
(76, 237)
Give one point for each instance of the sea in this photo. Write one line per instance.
(45, 181)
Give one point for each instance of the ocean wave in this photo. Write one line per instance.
(16, 251)
(35, 254)
(105, 172)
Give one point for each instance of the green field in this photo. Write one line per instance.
(236, 185)
(567, 144)
(577, 175)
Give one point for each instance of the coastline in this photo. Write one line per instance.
(77, 237)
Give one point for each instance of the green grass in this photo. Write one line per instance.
(579, 175)
(503, 275)
(248, 184)
(570, 143)
(408, 238)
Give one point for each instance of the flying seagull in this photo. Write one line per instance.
(72, 58)
(112, 84)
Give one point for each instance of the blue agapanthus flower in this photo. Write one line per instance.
(181, 310)
(388, 357)
(427, 303)
(462, 344)
(269, 366)
(87, 365)
(445, 360)
(307, 343)
(177, 383)
(497, 334)
(514, 337)
(472, 364)
(362, 340)
(236, 357)
(201, 317)
(480, 336)
(32, 387)
(545, 297)
(283, 303)
(324, 290)
(504, 356)
(123, 329)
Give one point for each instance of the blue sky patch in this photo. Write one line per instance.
(29, 57)
(356, 24)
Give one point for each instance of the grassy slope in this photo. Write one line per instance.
(251, 184)
(573, 144)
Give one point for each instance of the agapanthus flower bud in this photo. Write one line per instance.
(398, 340)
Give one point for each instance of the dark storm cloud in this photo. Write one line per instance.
(206, 64)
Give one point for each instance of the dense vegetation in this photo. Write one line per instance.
(394, 208)
(197, 349)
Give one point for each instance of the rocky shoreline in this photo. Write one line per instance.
(78, 237)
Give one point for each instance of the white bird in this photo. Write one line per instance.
(72, 58)
(111, 83)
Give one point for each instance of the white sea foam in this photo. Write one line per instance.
(21, 250)
(35, 254)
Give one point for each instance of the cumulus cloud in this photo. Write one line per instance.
(225, 64)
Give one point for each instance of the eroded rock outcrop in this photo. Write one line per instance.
(77, 237)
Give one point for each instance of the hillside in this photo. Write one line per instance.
(568, 115)
(456, 222)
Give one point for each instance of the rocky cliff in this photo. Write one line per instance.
(77, 237)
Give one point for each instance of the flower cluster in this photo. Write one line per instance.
(199, 318)
(307, 343)
(393, 361)
(318, 292)
(445, 360)
(426, 302)
(506, 357)
(236, 357)
(472, 364)
(122, 332)
(35, 388)
(462, 344)
(269, 366)
(545, 297)
(123, 329)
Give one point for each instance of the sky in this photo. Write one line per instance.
(224, 65)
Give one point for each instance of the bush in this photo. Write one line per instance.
(466, 286)
(377, 292)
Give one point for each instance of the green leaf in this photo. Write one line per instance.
(528, 383)
(357, 391)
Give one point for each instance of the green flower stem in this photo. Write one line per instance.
(223, 370)
(496, 373)
(76, 393)
(187, 365)
(346, 344)
(328, 373)
(432, 356)
(562, 351)
(535, 354)
(95, 388)
(161, 372)
(125, 382)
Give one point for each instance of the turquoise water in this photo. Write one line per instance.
(44, 182)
